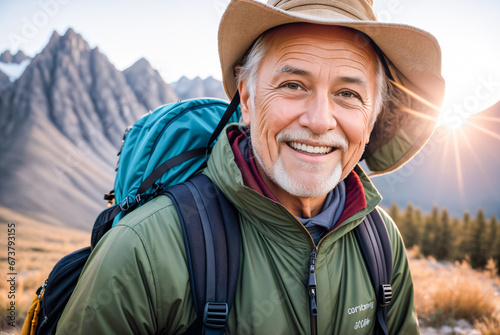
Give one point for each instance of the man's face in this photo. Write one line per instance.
(313, 105)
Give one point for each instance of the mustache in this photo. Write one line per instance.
(329, 139)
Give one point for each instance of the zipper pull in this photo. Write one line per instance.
(311, 288)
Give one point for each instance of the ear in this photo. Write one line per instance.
(244, 102)
(368, 133)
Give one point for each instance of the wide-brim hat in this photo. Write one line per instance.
(412, 56)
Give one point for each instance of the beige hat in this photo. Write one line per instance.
(412, 55)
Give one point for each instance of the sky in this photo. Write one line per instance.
(180, 37)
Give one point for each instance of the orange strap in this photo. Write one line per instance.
(31, 321)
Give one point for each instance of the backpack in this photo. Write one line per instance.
(143, 173)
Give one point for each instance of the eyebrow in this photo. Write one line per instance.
(343, 79)
(293, 70)
(353, 80)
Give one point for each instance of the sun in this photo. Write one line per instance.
(452, 121)
(456, 124)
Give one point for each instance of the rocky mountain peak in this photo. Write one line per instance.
(75, 40)
(141, 63)
(7, 57)
(148, 86)
(54, 38)
(12, 67)
(141, 68)
(71, 41)
(192, 88)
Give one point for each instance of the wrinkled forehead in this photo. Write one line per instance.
(321, 37)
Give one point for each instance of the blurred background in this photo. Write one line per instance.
(74, 74)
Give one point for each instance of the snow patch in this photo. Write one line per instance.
(13, 70)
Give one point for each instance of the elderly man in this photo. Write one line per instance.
(321, 84)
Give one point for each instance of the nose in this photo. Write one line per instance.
(319, 114)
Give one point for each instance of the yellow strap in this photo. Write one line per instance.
(31, 321)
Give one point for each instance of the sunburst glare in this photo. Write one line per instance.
(458, 166)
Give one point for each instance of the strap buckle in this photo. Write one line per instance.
(41, 289)
(125, 205)
(215, 315)
(157, 189)
(386, 295)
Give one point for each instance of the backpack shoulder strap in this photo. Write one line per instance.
(210, 226)
(375, 246)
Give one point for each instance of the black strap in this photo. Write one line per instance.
(233, 105)
(211, 232)
(375, 246)
(167, 165)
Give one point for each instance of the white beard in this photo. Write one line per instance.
(299, 187)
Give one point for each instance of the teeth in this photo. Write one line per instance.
(310, 149)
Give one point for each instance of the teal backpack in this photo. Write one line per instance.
(166, 147)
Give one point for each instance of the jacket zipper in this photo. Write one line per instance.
(311, 284)
(311, 288)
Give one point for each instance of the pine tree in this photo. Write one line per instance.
(419, 219)
(492, 236)
(411, 234)
(464, 234)
(456, 231)
(478, 241)
(426, 245)
(419, 226)
(496, 245)
(394, 213)
(443, 239)
(430, 231)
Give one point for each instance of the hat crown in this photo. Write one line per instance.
(361, 10)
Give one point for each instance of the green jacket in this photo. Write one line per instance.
(136, 280)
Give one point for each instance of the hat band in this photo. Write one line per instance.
(340, 7)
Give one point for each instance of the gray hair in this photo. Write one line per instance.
(249, 69)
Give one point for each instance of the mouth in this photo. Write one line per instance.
(310, 149)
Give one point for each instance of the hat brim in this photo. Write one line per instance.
(413, 55)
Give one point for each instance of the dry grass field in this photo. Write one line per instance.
(444, 292)
(37, 247)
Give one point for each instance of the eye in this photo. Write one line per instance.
(349, 94)
(292, 86)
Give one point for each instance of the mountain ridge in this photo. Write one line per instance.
(197, 87)
(62, 123)
(8, 57)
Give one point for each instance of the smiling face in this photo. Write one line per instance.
(310, 117)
